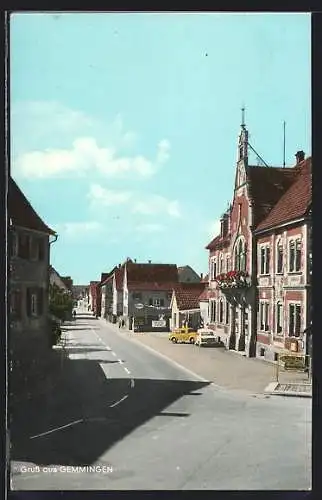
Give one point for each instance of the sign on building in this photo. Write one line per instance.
(159, 324)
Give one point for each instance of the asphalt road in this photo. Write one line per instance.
(140, 421)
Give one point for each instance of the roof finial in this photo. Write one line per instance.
(243, 116)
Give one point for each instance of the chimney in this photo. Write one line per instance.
(149, 261)
(135, 261)
(300, 155)
(201, 276)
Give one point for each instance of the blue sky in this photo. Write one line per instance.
(124, 126)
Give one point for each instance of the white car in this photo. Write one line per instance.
(206, 337)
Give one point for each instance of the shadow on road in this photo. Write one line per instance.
(85, 393)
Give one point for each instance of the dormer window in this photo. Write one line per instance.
(241, 154)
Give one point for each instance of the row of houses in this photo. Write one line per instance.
(256, 296)
(140, 294)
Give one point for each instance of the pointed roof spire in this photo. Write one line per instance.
(243, 116)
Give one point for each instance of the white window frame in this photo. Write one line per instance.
(213, 268)
(156, 302)
(297, 239)
(34, 304)
(279, 244)
(264, 310)
(242, 256)
(294, 303)
(267, 249)
(221, 263)
(279, 304)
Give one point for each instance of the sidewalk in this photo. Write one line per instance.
(224, 368)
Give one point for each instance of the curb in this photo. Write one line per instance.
(272, 390)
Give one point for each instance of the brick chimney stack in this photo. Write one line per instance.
(300, 155)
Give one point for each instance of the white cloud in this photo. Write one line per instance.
(50, 140)
(163, 153)
(84, 156)
(150, 228)
(138, 203)
(105, 197)
(153, 204)
(79, 229)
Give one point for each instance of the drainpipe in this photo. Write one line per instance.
(48, 274)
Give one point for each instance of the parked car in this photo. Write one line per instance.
(206, 337)
(183, 335)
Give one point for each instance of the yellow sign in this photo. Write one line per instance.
(293, 362)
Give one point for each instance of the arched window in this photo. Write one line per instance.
(221, 311)
(240, 256)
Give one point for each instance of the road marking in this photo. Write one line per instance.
(120, 361)
(172, 362)
(57, 428)
(119, 401)
(126, 369)
(114, 354)
(132, 382)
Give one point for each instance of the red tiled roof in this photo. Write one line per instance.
(266, 186)
(187, 295)
(219, 242)
(295, 202)
(22, 213)
(204, 295)
(151, 273)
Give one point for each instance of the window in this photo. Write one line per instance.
(212, 311)
(265, 259)
(150, 302)
(15, 303)
(264, 316)
(279, 318)
(221, 264)
(34, 249)
(295, 255)
(213, 269)
(221, 311)
(298, 254)
(157, 302)
(294, 320)
(137, 296)
(240, 256)
(227, 264)
(24, 246)
(161, 302)
(227, 313)
(279, 257)
(14, 244)
(34, 301)
(41, 249)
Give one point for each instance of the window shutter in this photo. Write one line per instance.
(162, 302)
(28, 302)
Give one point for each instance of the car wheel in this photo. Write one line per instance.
(174, 340)
(192, 340)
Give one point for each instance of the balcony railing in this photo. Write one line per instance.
(232, 280)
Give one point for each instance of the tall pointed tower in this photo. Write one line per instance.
(242, 154)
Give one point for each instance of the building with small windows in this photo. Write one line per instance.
(258, 294)
(147, 293)
(283, 248)
(29, 252)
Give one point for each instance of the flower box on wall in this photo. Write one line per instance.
(233, 279)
